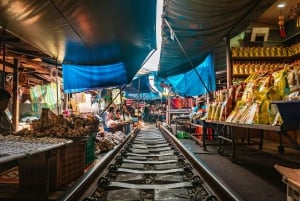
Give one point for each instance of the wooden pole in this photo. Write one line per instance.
(57, 87)
(16, 100)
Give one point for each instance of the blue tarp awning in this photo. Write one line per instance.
(80, 78)
(139, 84)
(86, 33)
(189, 83)
(140, 88)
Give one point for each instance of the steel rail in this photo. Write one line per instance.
(215, 183)
(84, 183)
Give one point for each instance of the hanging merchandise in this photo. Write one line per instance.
(102, 104)
(44, 96)
(281, 26)
(85, 107)
(116, 96)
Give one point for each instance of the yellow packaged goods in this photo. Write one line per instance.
(213, 110)
(280, 81)
(217, 111)
(263, 112)
(209, 111)
(236, 112)
(248, 117)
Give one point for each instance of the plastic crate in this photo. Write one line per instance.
(90, 149)
(182, 135)
(69, 165)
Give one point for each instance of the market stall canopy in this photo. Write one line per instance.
(141, 88)
(195, 82)
(191, 29)
(140, 84)
(86, 33)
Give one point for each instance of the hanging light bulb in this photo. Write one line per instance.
(297, 17)
(298, 21)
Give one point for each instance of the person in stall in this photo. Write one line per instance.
(109, 119)
(112, 121)
(6, 126)
(118, 115)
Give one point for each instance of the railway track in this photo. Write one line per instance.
(151, 165)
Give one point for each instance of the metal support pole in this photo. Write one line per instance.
(228, 62)
(138, 102)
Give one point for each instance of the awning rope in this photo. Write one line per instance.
(173, 34)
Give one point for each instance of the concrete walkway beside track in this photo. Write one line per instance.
(253, 175)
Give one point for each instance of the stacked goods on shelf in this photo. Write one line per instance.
(250, 67)
(181, 103)
(248, 60)
(252, 99)
(266, 51)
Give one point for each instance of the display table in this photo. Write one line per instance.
(14, 148)
(226, 133)
(44, 164)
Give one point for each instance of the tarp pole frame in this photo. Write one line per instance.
(56, 82)
(186, 56)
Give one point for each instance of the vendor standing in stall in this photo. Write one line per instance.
(6, 126)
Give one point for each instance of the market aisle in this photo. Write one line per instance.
(253, 176)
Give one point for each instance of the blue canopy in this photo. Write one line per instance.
(80, 78)
(86, 34)
(140, 88)
(189, 83)
(140, 84)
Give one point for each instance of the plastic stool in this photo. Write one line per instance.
(199, 132)
(209, 134)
